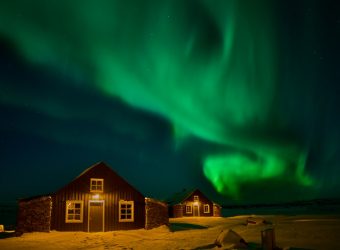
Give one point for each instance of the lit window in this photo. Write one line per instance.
(188, 209)
(126, 209)
(97, 185)
(206, 208)
(74, 211)
(196, 198)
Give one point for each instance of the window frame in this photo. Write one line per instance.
(186, 209)
(124, 202)
(206, 206)
(96, 185)
(196, 198)
(69, 202)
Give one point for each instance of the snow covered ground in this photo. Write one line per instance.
(297, 232)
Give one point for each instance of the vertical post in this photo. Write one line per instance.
(268, 239)
(147, 214)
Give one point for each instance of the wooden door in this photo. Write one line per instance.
(196, 210)
(96, 216)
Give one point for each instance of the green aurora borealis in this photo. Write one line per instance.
(213, 69)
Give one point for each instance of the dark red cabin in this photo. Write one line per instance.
(192, 203)
(97, 200)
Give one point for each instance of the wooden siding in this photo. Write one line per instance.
(115, 189)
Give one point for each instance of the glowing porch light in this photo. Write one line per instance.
(95, 196)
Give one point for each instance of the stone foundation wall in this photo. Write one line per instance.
(156, 213)
(34, 215)
(177, 211)
(217, 211)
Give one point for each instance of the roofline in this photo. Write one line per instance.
(91, 167)
(214, 203)
(34, 197)
(82, 173)
(196, 189)
(186, 197)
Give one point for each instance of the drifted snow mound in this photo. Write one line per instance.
(229, 239)
(255, 221)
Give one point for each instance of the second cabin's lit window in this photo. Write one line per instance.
(97, 185)
(196, 198)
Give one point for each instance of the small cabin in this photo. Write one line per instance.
(97, 200)
(192, 203)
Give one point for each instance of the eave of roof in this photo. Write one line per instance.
(179, 197)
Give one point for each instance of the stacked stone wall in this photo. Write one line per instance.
(156, 213)
(177, 210)
(217, 211)
(34, 215)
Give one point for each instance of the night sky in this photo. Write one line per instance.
(237, 98)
